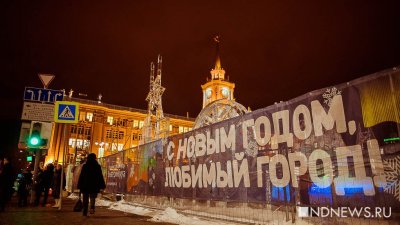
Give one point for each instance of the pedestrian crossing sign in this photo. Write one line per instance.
(66, 112)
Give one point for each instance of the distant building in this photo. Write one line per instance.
(105, 129)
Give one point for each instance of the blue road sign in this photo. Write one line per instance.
(42, 95)
(66, 112)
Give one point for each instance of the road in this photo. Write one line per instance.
(30, 215)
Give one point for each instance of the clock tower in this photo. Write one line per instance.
(218, 87)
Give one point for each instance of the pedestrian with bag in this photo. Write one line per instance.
(78, 205)
(90, 183)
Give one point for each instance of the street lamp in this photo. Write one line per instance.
(101, 149)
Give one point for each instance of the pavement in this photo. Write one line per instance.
(31, 215)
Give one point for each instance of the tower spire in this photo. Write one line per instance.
(218, 59)
(217, 73)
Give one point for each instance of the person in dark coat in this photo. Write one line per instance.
(1, 164)
(43, 184)
(57, 184)
(6, 183)
(90, 182)
(38, 186)
(25, 185)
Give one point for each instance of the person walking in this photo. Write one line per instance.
(1, 164)
(25, 185)
(44, 181)
(38, 185)
(6, 183)
(90, 183)
(57, 185)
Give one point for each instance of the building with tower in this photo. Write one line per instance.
(217, 87)
(218, 99)
(106, 129)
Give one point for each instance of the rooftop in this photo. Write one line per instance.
(130, 109)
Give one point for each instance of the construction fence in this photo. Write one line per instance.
(313, 159)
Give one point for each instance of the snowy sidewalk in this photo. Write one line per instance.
(50, 216)
(168, 215)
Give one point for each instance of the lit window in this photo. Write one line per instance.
(81, 116)
(115, 134)
(86, 144)
(121, 135)
(135, 123)
(110, 120)
(180, 129)
(88, 130)
(141, 124)
(185, 129)
(79, 143)
(73, 129)
(80, 129)
(72, 142)
(170, 127)
(118, 147)
(190, 128)
(117, 122)
(108, 134)
(89, 116)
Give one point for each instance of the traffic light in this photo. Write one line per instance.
(35, 139)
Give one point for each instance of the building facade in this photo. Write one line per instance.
(104, 129)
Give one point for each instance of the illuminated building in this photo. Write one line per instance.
(105, 129)
(218, 100)
(218, 87)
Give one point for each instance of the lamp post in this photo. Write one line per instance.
(101, 149)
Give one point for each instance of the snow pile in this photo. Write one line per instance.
(171, 216)
(101, 202)
(125, 207)
(168, 215)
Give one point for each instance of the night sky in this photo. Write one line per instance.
(272, 50)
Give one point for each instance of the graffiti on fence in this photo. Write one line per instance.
(141, 176)
(116, 174)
